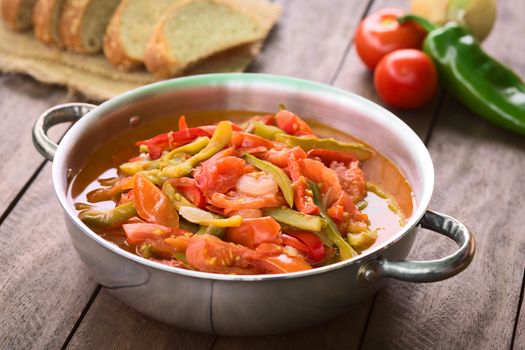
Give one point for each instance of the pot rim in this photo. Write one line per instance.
(290, 84)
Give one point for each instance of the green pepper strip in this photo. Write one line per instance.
(284, 183)
(221, 137)
(177, 199)
(345, 250)
(130, 168)
(483, 84)
(296, 219)
(108, 218)
(307, 143)
(212, 230)
(267, 131)
(191, 148)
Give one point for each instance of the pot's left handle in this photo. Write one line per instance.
(64, 113)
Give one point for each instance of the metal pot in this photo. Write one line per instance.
(259, 304)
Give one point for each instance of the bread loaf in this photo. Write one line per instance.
(46, 17)
(193, 30)
(18, 14)
(129, 30)
(83, 23)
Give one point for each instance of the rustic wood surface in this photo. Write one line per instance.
(50, 301)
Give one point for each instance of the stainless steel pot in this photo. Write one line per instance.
(262, 304)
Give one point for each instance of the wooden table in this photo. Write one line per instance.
(49, 300)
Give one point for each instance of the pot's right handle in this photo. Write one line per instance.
(68, 112)
(432, 270)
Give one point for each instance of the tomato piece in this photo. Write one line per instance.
(219, 175)
(247, 213)
(182, 123)
(320, 174)
(110, 193)
(169, 140)
(170, 262)
(179, 243)
(254, 231)
(280, 157)
(303, 197)
(193, 194)
(328, 156)
(292, 124)
(352, 180)
(406, 79)
(139, 232)
(267, 119)
(237, 201)
(313, 243)
(282, 264)
(245, 140)
(152, 205)
(210, 254)
(380, 34)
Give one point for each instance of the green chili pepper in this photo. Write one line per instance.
(345, 250)
(307, 143)
(108, 218)
(296, 219)
(266, 131)
(191, 148)
(483, 84)
(130, 168)
(211, 230)
(284, 183)
(221, 137)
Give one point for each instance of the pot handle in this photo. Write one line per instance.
(431, 270)
(67, 112)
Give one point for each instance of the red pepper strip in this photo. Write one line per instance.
(193, 194)
(244, 140)
(328, 156)
(182, 123)
(211, 128)
(302, 198)
(169, 140)
(297, 244)
(314, 244)
(267, 119)
(135, 159)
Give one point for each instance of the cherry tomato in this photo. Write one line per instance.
(292, 124)
(152, 205)
(254, 231)
(380, 34)
(406, 79)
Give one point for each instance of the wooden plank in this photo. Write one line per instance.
(43, 284)
(479, 179)
(23, 100)
(297, 47)
(147, 333)
(310, 39)
(357, 78)
(342, 333)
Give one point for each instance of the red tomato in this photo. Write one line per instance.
(302, 197)
(282, 264)
(280, 157)
(380, 34)
(219, 175)
(267, 119)
(297, 244)
(292, 124)
(406, 79)
(313, 243)
(188, 188)
(169, 140)
(152, 205)
(254, 231)
(139, 232)
(210, 254)
(320, 174)
(352, 180)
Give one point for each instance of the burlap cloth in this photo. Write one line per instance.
(95, 78)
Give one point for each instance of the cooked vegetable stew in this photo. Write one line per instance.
(263, 196)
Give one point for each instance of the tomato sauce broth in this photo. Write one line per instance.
(104, 162)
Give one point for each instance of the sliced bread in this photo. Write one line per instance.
(18, 14)
(83, 23)
(129, 30)
(46, 17)
(193, 30)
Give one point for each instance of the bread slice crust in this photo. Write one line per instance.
(11, 14)
(46, 14)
